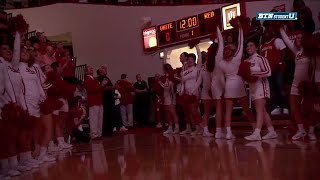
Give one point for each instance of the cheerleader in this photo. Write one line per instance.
(218, 85)
(34, 95)
(14, 92)
(300, 75)
(259, 91)
(205, 81)
(189, 80)
(234, 84)
(168, 97)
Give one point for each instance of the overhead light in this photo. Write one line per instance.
(161, 54)
(210, 42)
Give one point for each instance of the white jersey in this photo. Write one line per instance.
(234, 84)
(168, 93)
(6, 88)
(301, 65)
(259, 68)
(217, 78)
(32, 82)
(190, 76)
(204, 79)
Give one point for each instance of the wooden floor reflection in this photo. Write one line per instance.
(158, 157)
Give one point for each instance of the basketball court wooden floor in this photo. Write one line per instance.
(152, 156)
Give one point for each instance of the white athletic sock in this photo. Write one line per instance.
(176, 125)
(13, 161)
(229, 130)
(205, 129)
(311, 129)
(23, 156)
(271, 129)
(218, 130)
(4, 163)
(60, 140)
(43, 151)
(257, 131)
(301, 128)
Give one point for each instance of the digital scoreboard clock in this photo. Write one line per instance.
(199, 26)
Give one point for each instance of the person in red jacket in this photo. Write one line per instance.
(126, 90)
(94, 98)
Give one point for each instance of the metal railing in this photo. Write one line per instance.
(80, 72)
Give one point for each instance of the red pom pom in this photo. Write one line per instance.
(18, 23)
(50, 104)
(193, 43)
(244, 71)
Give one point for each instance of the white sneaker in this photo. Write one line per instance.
(207, 134)
(122, 129)
(220, 135)
(299, 135)
(230, 136)
(285, 111)
(114, 129)
(10, 172)
(65, 146)
(276, 111)
(53, 148)
(159, 125)
(168, 131)
(30, 164)
(187, 131)
(270, 135)
(47, 158)
(176, 130)
(21, 168)
(253, 137)
(312, 136)
(200, 131)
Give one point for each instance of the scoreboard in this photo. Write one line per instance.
(183, 30)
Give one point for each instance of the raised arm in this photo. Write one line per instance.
(264, 71)
(238, 54)
(288, 42)
(199, 60)
(16, 50)
(219, 55)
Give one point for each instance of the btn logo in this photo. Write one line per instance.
(277, 16)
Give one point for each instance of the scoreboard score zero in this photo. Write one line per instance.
(177, 32)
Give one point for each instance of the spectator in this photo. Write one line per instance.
(305, 21)
(94, 99)
(255, 32)
(127, 91)
(48, 58)
(116, 114)
(68, 69)
(108, 100)
(141, 103)
(299, 5)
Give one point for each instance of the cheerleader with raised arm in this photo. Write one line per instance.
(168, 100)
(218, 84)
(205, 81)
(300, 75)
(234, 85)
(12, 100)
(189, 80)
(259, 91)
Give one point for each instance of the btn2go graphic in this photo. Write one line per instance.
(289, 16)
